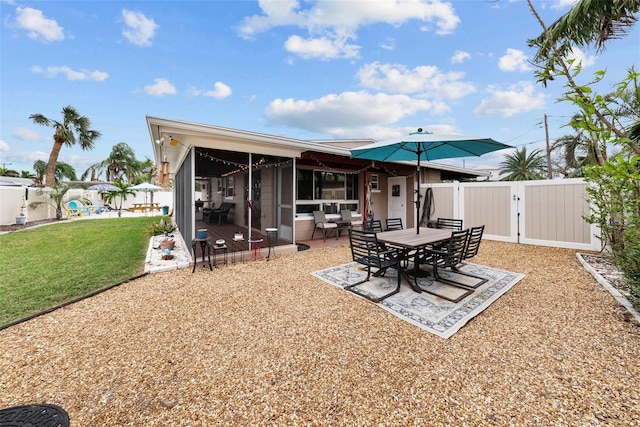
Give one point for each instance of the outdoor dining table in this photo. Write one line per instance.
(413, 242)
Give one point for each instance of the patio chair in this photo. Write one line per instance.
(450, 256)
(374, 225)
(96, 207)
(70, 212)
(220, 215)
(366, 250)
(453, 224)
(471, 249)
(473, 242)
(394, 224)
(77, 209)
(322, 223)
(345, 214)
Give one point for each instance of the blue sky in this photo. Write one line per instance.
(301, 69)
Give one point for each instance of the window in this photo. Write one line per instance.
(220, 187)
(375, 186)
(325, 190)
(330, 185)
(228, 186)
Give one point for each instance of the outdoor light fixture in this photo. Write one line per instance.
(173, 142)
(160, 141)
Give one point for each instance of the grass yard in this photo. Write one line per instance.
(46, 266)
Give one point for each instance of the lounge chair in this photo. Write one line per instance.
(78, 208)
(323, 224)
(97, 209)
(366, 250)
(70, 212)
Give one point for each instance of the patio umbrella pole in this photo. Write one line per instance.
(418, 201)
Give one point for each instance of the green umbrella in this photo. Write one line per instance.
(424, 146)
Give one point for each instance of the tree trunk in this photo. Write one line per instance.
(50, 177)
(58, 213)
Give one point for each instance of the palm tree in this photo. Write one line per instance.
(588, 21)
(520, 166)
(147, 170)
(55, 197)
(63, 171)
(123, 191)
(578, 151)
(120, 165)
(73, 129)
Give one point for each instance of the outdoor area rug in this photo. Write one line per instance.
(429, 312)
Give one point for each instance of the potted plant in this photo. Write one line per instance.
(21, 219)
(164, 228)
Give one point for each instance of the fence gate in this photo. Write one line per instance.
(546, 213)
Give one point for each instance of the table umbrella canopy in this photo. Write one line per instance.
(145, 186)
(423, 146)
(103, 187)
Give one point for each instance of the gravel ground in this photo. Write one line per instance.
(265, 343)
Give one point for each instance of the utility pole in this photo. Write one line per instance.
(546, 132)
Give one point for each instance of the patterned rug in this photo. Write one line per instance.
(427, 311)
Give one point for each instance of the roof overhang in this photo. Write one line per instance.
(172, 140)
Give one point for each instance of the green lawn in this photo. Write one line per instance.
(45, 266)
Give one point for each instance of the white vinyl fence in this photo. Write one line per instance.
(12, 198)
(546, 213)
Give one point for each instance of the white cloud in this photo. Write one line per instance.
(333, 23)
(21, 157)
(459, 57)
(388, 44)
(514, 60)
(442, 128)
(582, 58)
(561, 4)
(429, 81)
(517, 98)
(335, 114)
(139, 29)
(220, 91)
(38, 27)
(26, 134)
(53, 71)
(161, 87)
(322, 48)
